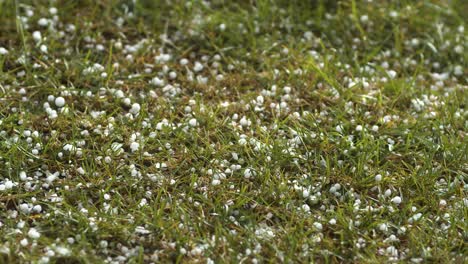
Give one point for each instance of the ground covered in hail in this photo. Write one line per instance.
(245, 131)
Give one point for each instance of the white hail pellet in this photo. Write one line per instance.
(172, 75)
(458, 70)
(392, 74)
(383, 227)
(43, 22)
(53, 11)
(43, 48)
(135, 108)
(24, 208)
(37, 36)
(60, 101)
(134, 146)
(318, 226)
(8, 184)
(23, 176)
(193, 122)
(127, 101)
(396, 200)
(339, 128)
(37, 208)
(156, 81)
(3, 51)
(33, 233)
(248, 173)
(378, 177)
(388, 192)
(24, 242)
(198, 66)
(183, 61)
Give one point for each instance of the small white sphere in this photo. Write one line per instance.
(24, 208)
(378, 177)
(172, 75)
(33, 233)
(60, 101)
(134, 146)
(248, 173)
(383, 227)
(23, 176)
(3, 51)
(198, 67)
(127, 101)
(193, 122)
(43, 48)
(184, 61)
(135, 108)
(24, 242)
(318, 226)
(37, 36)
(119, 94)
(396, 200)
(388, 192)
(37, 208)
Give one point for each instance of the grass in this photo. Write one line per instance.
(315, 131)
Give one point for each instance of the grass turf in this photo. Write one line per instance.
(233, 131)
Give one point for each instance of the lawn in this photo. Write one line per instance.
(250, 131)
